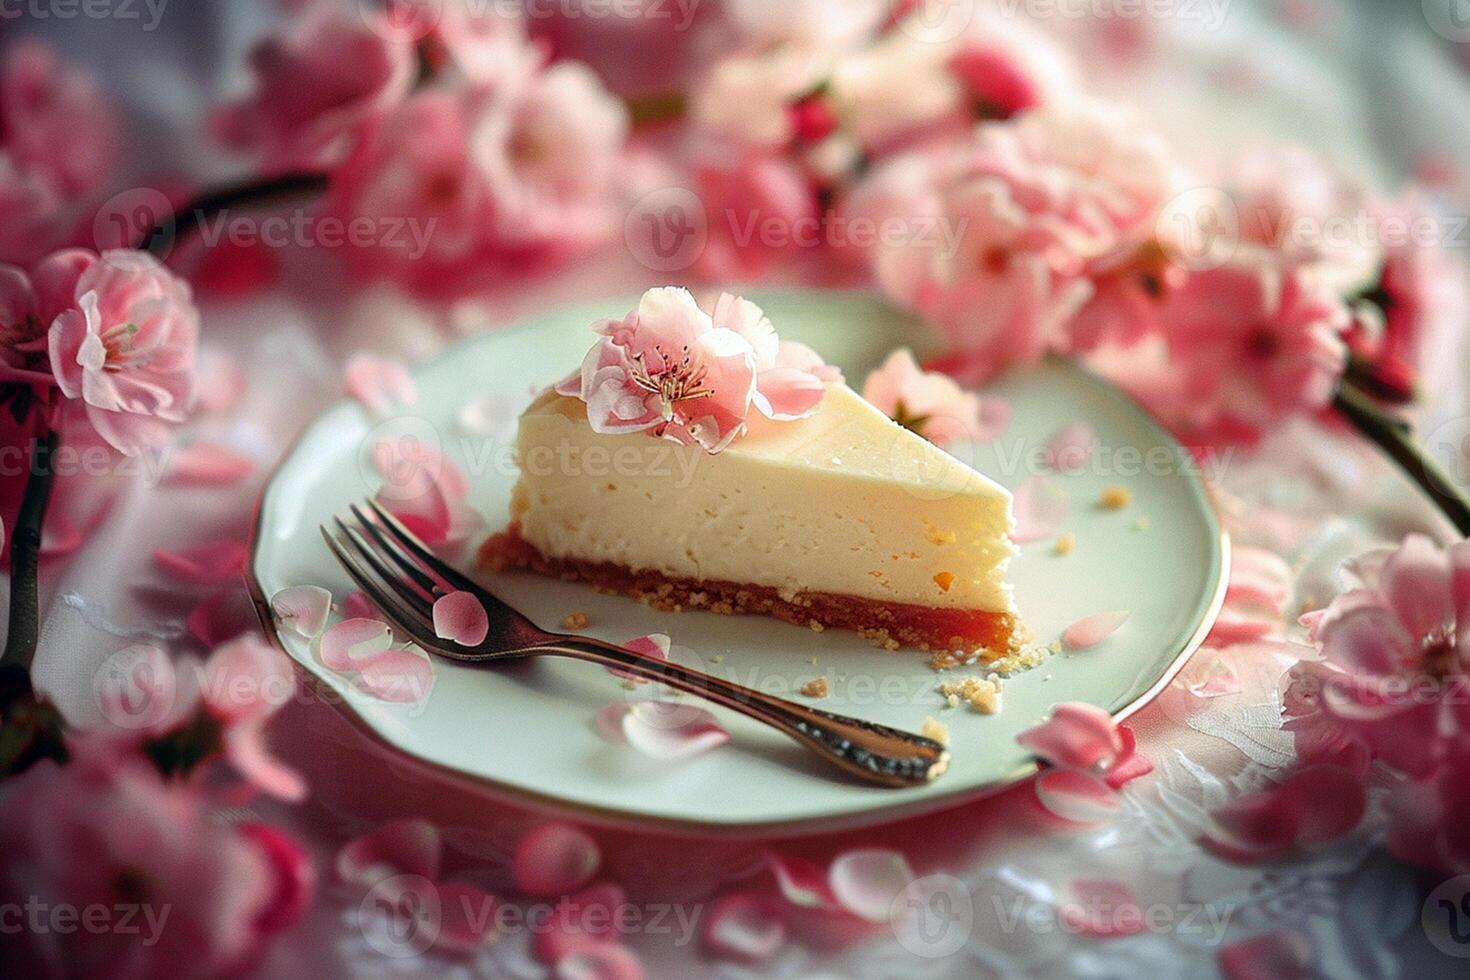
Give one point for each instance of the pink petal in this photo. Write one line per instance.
(1367, 638)
(866, 883)
(1259, 576)
(1070, 449)
(1077, 796)
(352, 643)
(381, 384)
(207, 464)
(785, 394)
(1092, 630)
(421, 504)
(1416, 583)
(403, 847)
(555, 859)
(1130, 764)
(744, 928)
(1101, 909)
(584, 922)
(1274, 956)
(208, 564)
(222, 617)
(302, 609)
(802, 882)
(400, 676)
(460, 618)
(247, 679)
(606, 962)
(655, 646)
(293, 875)
(356, 605)
(1333, 800)
(246, 750)
(1040, 508)
(1076, 736)
(466, 917)
(1256, 827)
(670, 731)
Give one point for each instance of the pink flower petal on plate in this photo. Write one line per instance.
(671, 731)
(555, 859)
(605, 962)
(460, 618)
(207, 564)
(1077, 796)
(1076, 736)
(655, 646)
(1274, 956)
(1070, 449)
(303, 609)
(207, 464)
(866, 882)
(350, 644)
(381, 384)
(1092, 630)
(1101, 909)
(744, 928)
(1040, 506)
(802, 882)
(403, 847)
(466, 917)
(400, 676)
(356, 605)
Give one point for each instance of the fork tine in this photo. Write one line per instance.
(403, 615)
(423, 605)
(391, 548)
(416, 548)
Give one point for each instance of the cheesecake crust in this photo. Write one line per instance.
(887, 624)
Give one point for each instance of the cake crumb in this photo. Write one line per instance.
(1056, 646)
(944, 580)
(951, 700)
(815, 626)
(717, 659)
(936, 730)
(574, 621)
(815, 688)
(1066, 543)
(1115, 498)
(983, 694)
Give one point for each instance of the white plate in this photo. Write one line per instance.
(528, 728)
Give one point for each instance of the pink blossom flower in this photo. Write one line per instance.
(1395, 653)
(1089, 755)
(746, 99)
(317, 88)
(485, 41)
(893, 89)
(790, 377)
(744, 203)
(56, 120)
(1254, 343)
(1007, 66)
(931, 404)
(123, 349)
(1315, 804)
(104, 829)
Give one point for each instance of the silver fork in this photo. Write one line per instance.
(401, 575)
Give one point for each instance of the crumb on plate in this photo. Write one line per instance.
(1066, 543)
(936, 730)
(815, 688)
(983, 693)
(1115, 497)
(574, 621)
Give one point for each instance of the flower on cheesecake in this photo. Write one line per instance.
(931, 403)
(671, 369)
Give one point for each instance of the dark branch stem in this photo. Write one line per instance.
(1396, 438)
(171, 227)
(24, 630)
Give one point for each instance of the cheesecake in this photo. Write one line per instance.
(812, 506)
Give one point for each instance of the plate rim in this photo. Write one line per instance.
(879, 814)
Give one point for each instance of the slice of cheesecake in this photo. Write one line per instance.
(841, 519)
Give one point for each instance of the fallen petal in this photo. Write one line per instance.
(1076, 736)
(403, 847)
(1070, 449)
(555, 859)
(865, 883)
(302, 609)
(350, 644)
(1101, 909)
(400, 676)
(605, 962)
(744, 928)
(207, 564)
(460, 618)
(381, 384)
(1332, 800)
(1077, 796)
(1092, 630)
(207, 464)
(655, 646)
(1040, 507)
(1130, 764)
(671, 731)
(802, 882)
(466, 917)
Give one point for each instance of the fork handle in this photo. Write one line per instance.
(876, 753)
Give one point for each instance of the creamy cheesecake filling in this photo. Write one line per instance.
(843, 503)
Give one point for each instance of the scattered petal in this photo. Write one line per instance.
(1101, 909)
(246, 750)
(302, 609)
(668, 730)
(293, 875)
(1131, 764)
(460, 618)
(1076, 736)
(381, 384)
(584, 922)
(1092, 630)
(1071, 448)
(1040, 506)
(356, 605)
(865, 883)
(604, 962)
(207, 564)
(804, 883)
(1077, 796)
(403, 847)
(352, 643)
(555, 859)
(466, 917)
(744, 928)
(222, 617)
(400, 676)
(207, 464)
(655, 646)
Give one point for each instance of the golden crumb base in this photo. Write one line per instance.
(888, 625)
